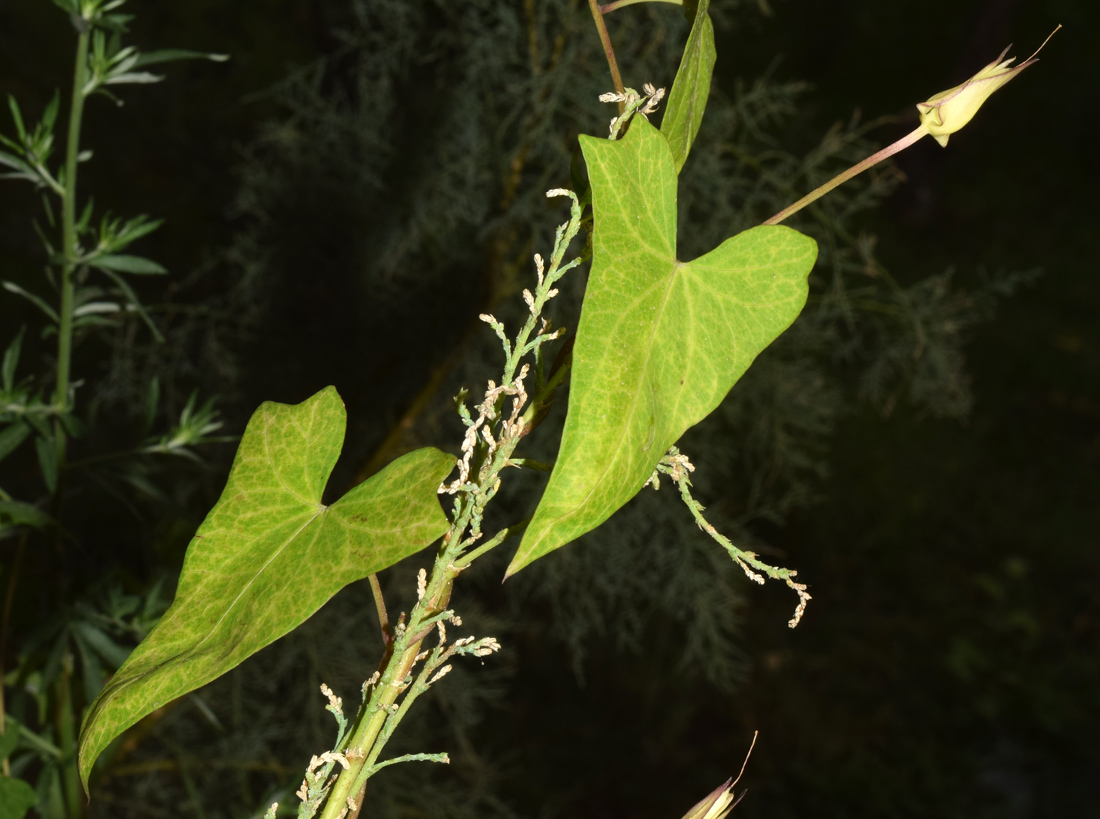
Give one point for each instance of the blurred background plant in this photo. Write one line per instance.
(392, 190)
(76, 619)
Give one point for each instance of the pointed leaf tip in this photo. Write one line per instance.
(691, 89)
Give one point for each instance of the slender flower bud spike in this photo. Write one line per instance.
(948, 111)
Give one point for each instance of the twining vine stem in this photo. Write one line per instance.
(608, 50)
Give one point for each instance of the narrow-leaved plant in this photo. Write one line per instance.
(86, 289)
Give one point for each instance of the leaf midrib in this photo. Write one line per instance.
(608, 462)
(320, 510)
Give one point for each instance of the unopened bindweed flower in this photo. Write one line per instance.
(940, 117)
(950, 110)
(717, 804)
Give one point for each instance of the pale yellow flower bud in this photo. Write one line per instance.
(950, 110)
(717, 805)
(719, 802)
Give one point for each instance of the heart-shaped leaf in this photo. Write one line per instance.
(660, 342)
(269, 555)
(688, 100)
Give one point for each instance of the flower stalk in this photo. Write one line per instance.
(608, 49)
(940, 116)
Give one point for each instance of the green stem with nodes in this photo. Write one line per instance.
(69, 243)
(607, 8)
(380, 714)
(677, 467)
(840, 179)
(377, 711)
(514, 530)
(608, 49)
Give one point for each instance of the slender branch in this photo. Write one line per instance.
(380, 607)
(492, 543)
(441, 758)
(43, 746)
(840, 179)
(607, 8)
(677, 467)
(69, 242)
(608, 50)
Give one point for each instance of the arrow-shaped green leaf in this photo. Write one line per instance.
(688, 100)
(660, 342)
(269, 555)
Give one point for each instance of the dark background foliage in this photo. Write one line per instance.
(948, 663)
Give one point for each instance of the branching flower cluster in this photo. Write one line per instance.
(427, 668)
(408, 669)
(677, 466)
(632, 102)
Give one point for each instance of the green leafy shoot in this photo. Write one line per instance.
(32, 149)
(111, 64)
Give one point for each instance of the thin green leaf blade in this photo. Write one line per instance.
(12, 161)
(172, 54)
(121, 263)
(18, 513)
(17, 118)
(37, 301)
(269, 555)
(660, 342)
(11, 437)
(134, 302)
(688, 100)
(11, 361)
(47, 461)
